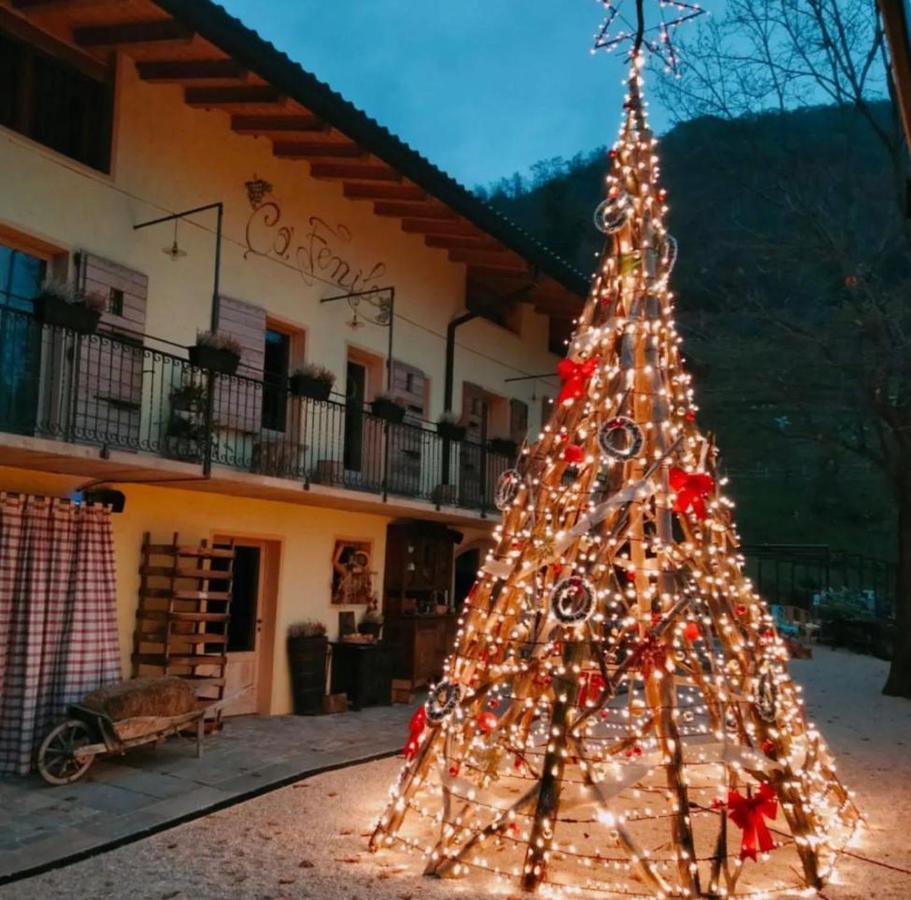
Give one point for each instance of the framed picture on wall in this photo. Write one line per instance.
(352, 572)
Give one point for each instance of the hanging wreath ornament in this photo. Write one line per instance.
(572, 600)
(620, 438)
(442, 701)
(766, 697)
(508, 486)
(613, 213)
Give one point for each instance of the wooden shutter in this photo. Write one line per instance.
(238, 401)
(518, 420)
(406, 441)
(109, 389)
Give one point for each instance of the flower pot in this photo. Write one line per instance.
(388, 410)
(307, 659)
(216, 359)
(305, 386)
(75, 316)
(451, 431)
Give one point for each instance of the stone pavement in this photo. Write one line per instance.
(149, 789)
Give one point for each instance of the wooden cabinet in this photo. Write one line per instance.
(420, 646)
(418, 586)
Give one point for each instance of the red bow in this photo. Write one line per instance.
(650, 654)
(575, 377)
(691, 491)
(415, 730)
(591, 686)
(748, 813)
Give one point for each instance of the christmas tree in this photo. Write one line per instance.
(617, 716)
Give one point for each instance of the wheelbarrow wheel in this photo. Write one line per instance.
(57, 760)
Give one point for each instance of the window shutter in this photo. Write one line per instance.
(518, 420)
(406, 441)
(109, 395)
(238, 400)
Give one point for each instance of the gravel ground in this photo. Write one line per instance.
(309, 840)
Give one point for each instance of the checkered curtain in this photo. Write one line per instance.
(58, 616)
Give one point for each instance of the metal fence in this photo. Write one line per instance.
(117, 391)
(795, 574)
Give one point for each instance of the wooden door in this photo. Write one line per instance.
(355, 397)
(475, 417)
(245, 630)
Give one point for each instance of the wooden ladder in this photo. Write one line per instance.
(184, 609)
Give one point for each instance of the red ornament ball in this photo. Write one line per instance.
(487, 721)
(851, 281)
(740, 609)
(690, 416)
(573, 453)
(691, 632)
(454, 769)
(630, 574)
(769, 747)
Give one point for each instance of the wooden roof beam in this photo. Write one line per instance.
(167, 71)
(131, 34)
(480, 261)
(240, 95)
(460, 242)
(354, 172)
(317, 150)
(440, 225)
(425, 210)
(409, 195)
(280, 128)
(42, 6)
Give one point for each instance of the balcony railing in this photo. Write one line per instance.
(115, 391)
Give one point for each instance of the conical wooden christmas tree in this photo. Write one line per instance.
(617, 716)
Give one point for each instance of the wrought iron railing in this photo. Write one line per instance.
(118, 391)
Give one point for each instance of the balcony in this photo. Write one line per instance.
(122, 395)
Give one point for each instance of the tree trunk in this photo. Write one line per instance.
(899, 682)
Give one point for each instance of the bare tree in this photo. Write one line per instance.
(846, 374)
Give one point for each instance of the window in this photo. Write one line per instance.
(52, 102)
(276, 363)
(115, 301)
(21, 277)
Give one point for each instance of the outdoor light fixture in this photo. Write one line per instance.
(174, 251)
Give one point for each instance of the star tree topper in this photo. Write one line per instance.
(617, 29)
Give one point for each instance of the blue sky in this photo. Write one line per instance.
(482, 87)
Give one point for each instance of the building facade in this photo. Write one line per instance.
(295, 225)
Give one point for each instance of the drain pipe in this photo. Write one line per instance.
(450, 357)
(449, 384)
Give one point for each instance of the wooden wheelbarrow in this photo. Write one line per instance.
(70, 748)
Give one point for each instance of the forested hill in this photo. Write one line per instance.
(751, 201)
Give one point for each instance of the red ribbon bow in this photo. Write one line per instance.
(749, 814)
(591, 686)
(650, 654)
(575, 377)
(691, 491)
(415, 730)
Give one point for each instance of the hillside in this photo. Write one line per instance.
(776, 212)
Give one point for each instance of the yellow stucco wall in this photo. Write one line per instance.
(307, 535)
(168, 156)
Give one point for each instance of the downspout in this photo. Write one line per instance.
(448, 386)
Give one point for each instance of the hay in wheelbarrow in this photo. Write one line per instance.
(163, 695)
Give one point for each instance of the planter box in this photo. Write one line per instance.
(386, 409)
(308, 659)
(216, 359)
(314, 388)
(451, 431)
(75, 316)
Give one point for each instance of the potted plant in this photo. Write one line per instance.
(189, 398)
(216, 352)
(312, 381)
(308, 654)
(448, 427)
(503, 446)
(389, 407)
(63, 305)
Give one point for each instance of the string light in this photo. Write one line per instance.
(617, 716)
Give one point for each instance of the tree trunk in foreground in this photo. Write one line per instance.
(898, 683)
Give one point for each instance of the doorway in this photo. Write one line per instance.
(355, 398)
(251, 628)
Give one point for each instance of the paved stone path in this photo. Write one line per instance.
(151, 788)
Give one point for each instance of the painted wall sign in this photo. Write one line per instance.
(319, 251)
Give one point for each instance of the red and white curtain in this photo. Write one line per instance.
(58, 616)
